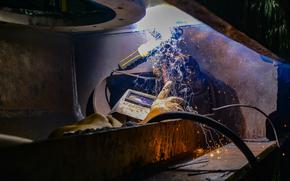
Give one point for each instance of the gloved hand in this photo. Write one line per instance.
(94, 121)
(163, 103)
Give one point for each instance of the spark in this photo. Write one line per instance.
(169, 59)
(218, 151)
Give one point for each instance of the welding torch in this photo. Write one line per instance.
(143, 51)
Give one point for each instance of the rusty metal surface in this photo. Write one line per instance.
(36, 83)
(226, 163)
(33, 66)
(100, 156)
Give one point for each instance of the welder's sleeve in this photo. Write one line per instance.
(93, 122)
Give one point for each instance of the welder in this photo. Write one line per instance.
(191, 90)
(96, 121)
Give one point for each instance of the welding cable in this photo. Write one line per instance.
(257, 109)
(212, 123)
(107, 88)
(106, 94)
(133, 75)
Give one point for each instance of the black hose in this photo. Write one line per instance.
(214, 125)
(133, 75)
(106, 94)
(259, 110)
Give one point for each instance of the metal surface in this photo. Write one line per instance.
(35, 87)
(8, 140)
(126, 12)
(103, 155)
(200, 12)
(226, 163)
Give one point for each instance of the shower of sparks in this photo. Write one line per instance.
(170, 63)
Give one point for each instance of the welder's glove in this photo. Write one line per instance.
(164, 104)
(93, 122)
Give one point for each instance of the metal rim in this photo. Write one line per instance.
(126, 12)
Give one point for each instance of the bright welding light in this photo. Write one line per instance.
(162, 18)
(146, 48)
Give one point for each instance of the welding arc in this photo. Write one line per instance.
(212, 123)
(257, 109)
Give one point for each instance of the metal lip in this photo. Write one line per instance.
(126, 12)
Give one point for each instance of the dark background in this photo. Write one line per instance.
(267, 21)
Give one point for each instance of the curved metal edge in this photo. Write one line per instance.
(127, 12)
